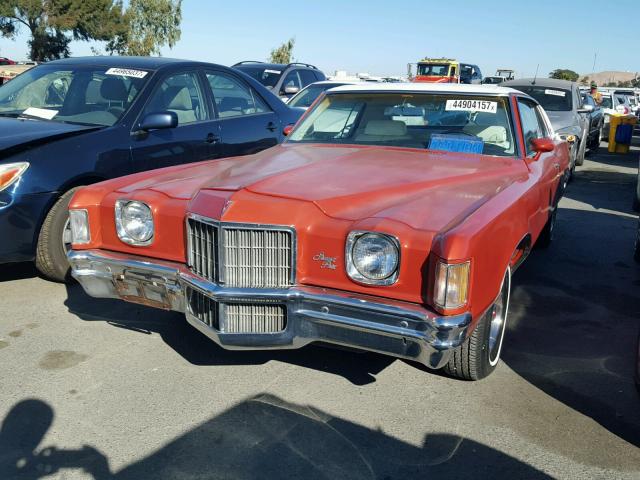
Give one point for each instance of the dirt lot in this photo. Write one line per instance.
(102, 389)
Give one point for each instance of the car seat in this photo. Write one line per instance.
(114, 90)
(178, 100)
(383, 131)
(489, 127)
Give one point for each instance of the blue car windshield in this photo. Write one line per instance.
(454, 122)
(84, 95)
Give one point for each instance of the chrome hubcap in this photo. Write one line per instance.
(498, 315)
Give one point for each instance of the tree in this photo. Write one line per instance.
(564, 74)
(284, 53)
(54, 23)
(585, 80)
(150, 25)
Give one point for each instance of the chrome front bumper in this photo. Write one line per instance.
(313, 314)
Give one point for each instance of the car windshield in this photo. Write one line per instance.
(72, 94)
(606, 102)
(433, 69)
(551, 99)
(309, 95)
(449, 122)
(266, 76)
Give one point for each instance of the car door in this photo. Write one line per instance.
(545, 170)
(247, 123)
(197, 134)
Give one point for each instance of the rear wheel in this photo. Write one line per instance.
(479, 354)
(54, 241)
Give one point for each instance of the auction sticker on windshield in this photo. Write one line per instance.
(277, 72)
(40, 113)
(472, 106)
(126, 72)
(556, 93)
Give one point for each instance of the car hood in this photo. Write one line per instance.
(426, 190)
(17, 134)
(562, 120)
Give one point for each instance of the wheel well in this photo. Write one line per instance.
(76, 182)
(520, 253)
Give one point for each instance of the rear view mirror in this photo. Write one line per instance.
(159, 121)
(291, 90)
(542, 145)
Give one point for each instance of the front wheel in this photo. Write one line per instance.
(54, 241)
(479, 354)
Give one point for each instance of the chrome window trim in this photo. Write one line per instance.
(219, 253)
(351, 240)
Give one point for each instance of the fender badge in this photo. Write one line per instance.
(327, 262)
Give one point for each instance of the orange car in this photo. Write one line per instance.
(391, 220)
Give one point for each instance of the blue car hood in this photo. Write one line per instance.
(17, 134)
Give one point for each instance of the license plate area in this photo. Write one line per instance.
(148, 290)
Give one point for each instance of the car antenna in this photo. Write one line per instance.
(535, 77)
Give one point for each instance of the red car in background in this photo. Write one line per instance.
(391, 220)
(6, 61)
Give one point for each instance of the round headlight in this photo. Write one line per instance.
(375, 258)
(134, 222)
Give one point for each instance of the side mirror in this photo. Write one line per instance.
(586, 109)
(159, 121)
(542, 145)
(291, 90)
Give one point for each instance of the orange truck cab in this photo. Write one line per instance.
(437, 70)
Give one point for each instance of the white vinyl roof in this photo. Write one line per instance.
(425, 87)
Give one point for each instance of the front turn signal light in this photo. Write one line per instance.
(451, 289)
(10, 173)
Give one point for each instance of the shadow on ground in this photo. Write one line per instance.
(575, 308)
(17, 271)
(359, 368)
(262, 437)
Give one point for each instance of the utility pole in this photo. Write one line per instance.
(595, 57)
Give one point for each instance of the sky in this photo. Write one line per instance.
(380, 37)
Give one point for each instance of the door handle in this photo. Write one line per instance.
(212, 138)
(271, 126)
(556, 166)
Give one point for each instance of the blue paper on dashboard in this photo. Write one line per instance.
(456, 143)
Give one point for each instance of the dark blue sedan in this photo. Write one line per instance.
(78, 121)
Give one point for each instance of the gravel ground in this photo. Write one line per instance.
(103, 389)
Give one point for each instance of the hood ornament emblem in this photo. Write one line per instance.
(327, 262)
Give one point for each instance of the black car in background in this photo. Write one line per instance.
(73, 122)
(283, 80)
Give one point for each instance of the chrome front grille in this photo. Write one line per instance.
(236, 317)
(253, 318)
(202, 307)
(257, 258)
(202, 248)
(241, 256)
